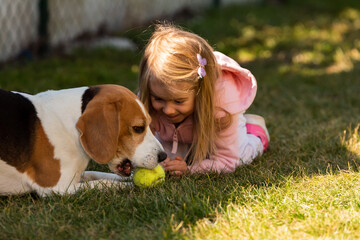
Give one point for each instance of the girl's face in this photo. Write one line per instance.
(175, 105)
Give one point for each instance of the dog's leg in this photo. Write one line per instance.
(94, 175)
(99, 184)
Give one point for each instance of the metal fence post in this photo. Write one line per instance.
(216, 3)
(43, 27)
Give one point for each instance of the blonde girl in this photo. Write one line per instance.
(197, 99)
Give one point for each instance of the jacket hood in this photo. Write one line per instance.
(244, 82)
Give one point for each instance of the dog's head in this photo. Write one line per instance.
(114, 129)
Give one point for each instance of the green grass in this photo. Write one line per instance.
(306, 58)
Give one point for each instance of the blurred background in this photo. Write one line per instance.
(33, 27)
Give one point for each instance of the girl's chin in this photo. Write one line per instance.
(172, 120)
(176, 120)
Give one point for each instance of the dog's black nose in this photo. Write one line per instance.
(162, 156)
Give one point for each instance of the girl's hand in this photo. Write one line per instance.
(176, 166)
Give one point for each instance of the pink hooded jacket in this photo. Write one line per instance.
(235, 91)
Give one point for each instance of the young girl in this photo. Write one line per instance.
(197, 99)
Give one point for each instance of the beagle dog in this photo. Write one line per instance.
(48, 139)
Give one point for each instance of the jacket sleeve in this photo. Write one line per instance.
(226, 158)
(234, 147)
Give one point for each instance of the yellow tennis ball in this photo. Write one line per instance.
(149, 177)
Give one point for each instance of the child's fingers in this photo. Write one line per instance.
(172, 167)
(177, 173)
(176, 163)
(175, 167)
(165, 162)
(179, 158)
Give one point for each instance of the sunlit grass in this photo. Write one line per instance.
(323, 44)
(321, 207)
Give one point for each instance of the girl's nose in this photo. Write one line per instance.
(168, 109)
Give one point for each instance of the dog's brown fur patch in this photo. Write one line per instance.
(42, 167)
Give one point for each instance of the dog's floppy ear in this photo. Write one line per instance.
(99, 131)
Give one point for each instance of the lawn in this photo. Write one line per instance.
(306, 58)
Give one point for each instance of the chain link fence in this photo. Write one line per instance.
(18, 26)
(29, 27)
(70, 18)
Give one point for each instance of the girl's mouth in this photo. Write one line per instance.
(172, 117)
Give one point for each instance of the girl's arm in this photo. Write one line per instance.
(234, 147)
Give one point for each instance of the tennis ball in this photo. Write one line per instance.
(149, 177)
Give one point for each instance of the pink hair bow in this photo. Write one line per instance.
(202, 63)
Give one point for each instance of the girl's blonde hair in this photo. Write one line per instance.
(170, 57)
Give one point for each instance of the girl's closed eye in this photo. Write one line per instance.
(157, 99)
(176, 101)
(179, 101)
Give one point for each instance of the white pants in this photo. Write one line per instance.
(250, 146)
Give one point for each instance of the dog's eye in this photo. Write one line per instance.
(139, 129)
